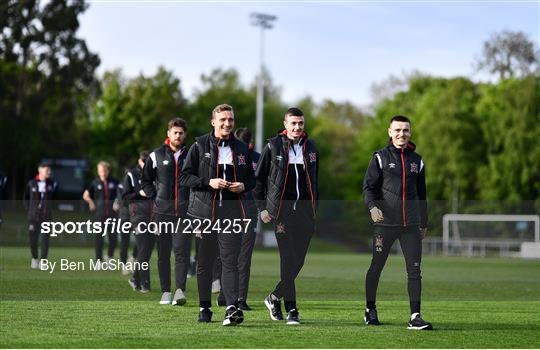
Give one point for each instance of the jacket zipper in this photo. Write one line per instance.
(403, 187)
(224, 178)
(106, 194)
(217, 175)
(284, 182)
(176, 184)
(309, 181)
(297, 179)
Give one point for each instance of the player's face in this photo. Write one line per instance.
(44, 172)
(294, 126)
(400, 132)
(223, 124)
(177, 136)
(102, 171)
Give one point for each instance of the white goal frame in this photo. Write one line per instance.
(486, 217)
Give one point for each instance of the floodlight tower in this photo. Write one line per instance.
(264, 21)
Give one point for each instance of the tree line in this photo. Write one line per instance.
(478, 139)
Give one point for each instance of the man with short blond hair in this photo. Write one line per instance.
(219, 172)
(100, 196)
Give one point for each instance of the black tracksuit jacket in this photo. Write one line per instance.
(273, 172)
(140, 208)
(395, 182)
(39, 208)
(202, 165)
(160, 181)
(104, 197)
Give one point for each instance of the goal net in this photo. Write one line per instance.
(488, 234)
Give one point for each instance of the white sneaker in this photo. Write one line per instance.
(98, 265)
(179, 297)
(34, 264)
(166, 298)
(216, 286)
(125, 271)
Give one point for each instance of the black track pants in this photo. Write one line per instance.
(411, 245)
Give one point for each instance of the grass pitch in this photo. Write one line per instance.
(472, 303)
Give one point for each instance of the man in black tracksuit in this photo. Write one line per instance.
(140, 210)
(218, 170)
(248, 238)
(100, 196)
(37, 200)
(395, 193)
(124, 216)
(287, 193)
(161, 182)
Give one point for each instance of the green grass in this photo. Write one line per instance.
(473, 303)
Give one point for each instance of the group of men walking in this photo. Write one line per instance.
(220, 180)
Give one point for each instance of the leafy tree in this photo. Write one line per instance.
(510, 112)
(444, 128)
(225, 86)
(47, 74)
(131, 115)
(509, 54)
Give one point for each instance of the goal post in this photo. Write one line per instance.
(447, 218)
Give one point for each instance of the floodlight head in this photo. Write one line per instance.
(262, 20)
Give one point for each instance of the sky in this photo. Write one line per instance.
(333, 50)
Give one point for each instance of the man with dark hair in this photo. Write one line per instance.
(248, 238)
(395, 193)
(38, 195)
(160, 182)
(286, 193)
(219, 172)
(100, 196)
(140, 209)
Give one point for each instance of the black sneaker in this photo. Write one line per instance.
(242, 305)
(205, 315)
(221, 299)
(134, 284)
(370, 317)
(274, 306)
(233, 316)
(293, 317)
(418, 323)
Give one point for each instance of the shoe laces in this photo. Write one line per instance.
(417, 316)
(372, 313)
(293, 312)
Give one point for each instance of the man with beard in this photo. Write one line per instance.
(160, 182)
(218, 170)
